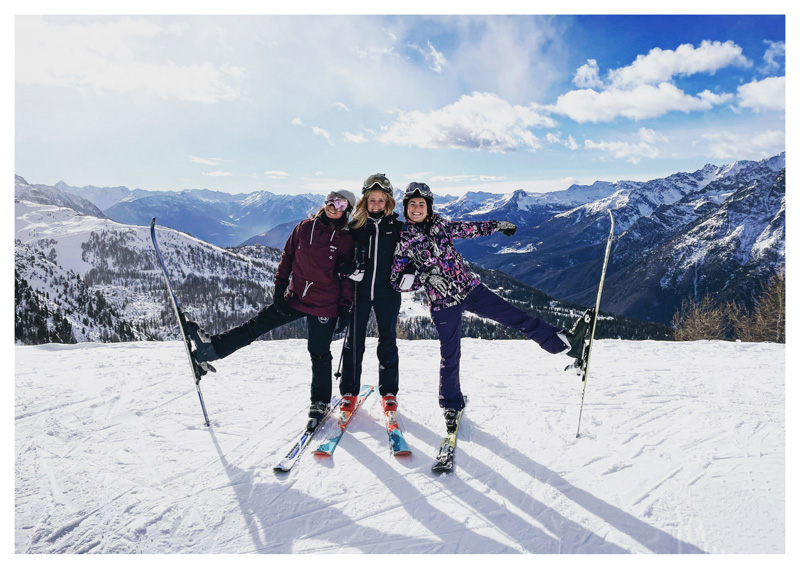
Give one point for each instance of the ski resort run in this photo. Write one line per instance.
(681, 451)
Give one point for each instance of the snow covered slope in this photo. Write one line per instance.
(65, 257)
(682, 450)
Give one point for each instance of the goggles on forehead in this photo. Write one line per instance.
(417, 189)
(337, 202)
(377, 181)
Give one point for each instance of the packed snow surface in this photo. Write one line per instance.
(681, 450)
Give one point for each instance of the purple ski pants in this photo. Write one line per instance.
(484, 303)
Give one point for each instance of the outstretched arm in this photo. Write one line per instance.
(472, 229)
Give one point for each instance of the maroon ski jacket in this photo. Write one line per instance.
(310, 258)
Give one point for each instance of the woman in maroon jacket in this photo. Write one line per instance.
(315, 253)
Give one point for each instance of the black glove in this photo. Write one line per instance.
(507, 228)
(350, 267)
(359, 256)
(345, 267)
(405, 280)
(344, 319)
(279, 300)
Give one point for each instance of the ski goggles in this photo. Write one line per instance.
(337, 202)
(379, 180)
(417, 189)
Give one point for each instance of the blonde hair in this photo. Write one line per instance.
(360, 213)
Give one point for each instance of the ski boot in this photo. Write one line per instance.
(204, 349)
(451, 419)
(348, 402)
(315, 415)
(389, 403)
(575, 338)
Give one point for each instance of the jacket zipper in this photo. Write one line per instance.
(375, 260)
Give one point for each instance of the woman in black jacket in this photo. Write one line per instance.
(375, 229)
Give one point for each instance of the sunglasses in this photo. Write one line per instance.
(380, 180)
(416, 189)
(338, 203)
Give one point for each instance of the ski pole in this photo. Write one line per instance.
(338, 373)
(353, 319)
(596, 315)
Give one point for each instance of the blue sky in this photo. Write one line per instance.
(296, 104)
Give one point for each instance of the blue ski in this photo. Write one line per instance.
(397, 441)
(327, 447)
(291, 458)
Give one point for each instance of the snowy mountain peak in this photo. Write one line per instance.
(49, 195)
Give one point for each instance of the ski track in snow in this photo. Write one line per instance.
(681, 450)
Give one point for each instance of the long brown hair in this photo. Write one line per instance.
(360, 214)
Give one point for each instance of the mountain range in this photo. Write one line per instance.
(719, 230)
(82, 277)
(219, 218)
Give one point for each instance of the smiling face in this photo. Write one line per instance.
(332, 212)
(417, 209)
(376, 201)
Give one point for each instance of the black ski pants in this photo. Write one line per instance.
(320, 334)
(386, 305)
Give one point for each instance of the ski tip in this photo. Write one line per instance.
(153, 223)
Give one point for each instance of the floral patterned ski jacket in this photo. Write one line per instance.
(426, 252)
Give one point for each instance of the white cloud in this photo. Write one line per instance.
(774, 57)
(662, 64)
(462, 178)
(436, 179)
(520, 58)
(99, 55)
(644, 101)
(355, 138)
(217, 174)
(435, 58)
(633, 152)
(714, 98)
(276, 174)
(341, 106)
(766, 94)
(480, 121)
(727, 145)
(554, 138)
(644, 88)
(321, 132)
(588, 76)
(204, 161)
(297, 121)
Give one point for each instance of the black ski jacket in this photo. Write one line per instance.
(378, 237)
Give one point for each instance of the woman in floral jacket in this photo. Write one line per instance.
(426, 257)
